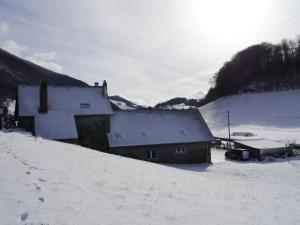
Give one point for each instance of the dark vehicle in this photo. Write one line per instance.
(237, 154)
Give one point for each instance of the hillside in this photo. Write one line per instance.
(180, 103)
(193, 101)
(48, 182)
(272, 115)
(261, 67)
(14, 70)
(123, 104)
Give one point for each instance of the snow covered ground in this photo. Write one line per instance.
(272, 115)
(177, 106)
(47, 182)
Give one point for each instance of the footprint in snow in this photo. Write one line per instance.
(38, 188)
(24, 216)
(42, 180)
(28, 172)
(41, 199)
(33, 168)
(25, 163)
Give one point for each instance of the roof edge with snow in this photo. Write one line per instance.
(157, 127)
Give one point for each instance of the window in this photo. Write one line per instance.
(182, 132)
(118, 136)
(180, 151)
(85, 105)
(144, 134)
(152, 154)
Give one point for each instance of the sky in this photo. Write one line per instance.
(147, 50)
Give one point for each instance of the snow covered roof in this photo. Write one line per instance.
(72, 100)
(145, 127)
(56, 125)
(261, 143)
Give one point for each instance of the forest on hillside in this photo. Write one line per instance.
(15, 70)
(261, 67)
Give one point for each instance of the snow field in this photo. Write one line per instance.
(48, 182)
(270, 115)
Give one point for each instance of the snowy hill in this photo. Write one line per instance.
(124, 104)
(193, 101)
(48, 182)
(272, 115)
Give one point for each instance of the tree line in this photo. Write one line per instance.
(261, 67)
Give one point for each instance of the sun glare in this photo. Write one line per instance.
(227, 20)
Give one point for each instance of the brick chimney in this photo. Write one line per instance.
(104, 86)
(43, 97)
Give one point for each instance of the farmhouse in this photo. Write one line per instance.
(71, 114)
(84, 116)
(259, 148)
(180, 136)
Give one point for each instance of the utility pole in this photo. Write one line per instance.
(228, 124)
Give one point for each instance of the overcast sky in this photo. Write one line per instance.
(147, 50)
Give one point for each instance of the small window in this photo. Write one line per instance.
(85, 105)
(144, 134)
(180, 151)
(152, 154)
(118, 136)
(182, 132)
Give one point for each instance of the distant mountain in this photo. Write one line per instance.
(123, 104)
(14, 70)
(181, 103)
